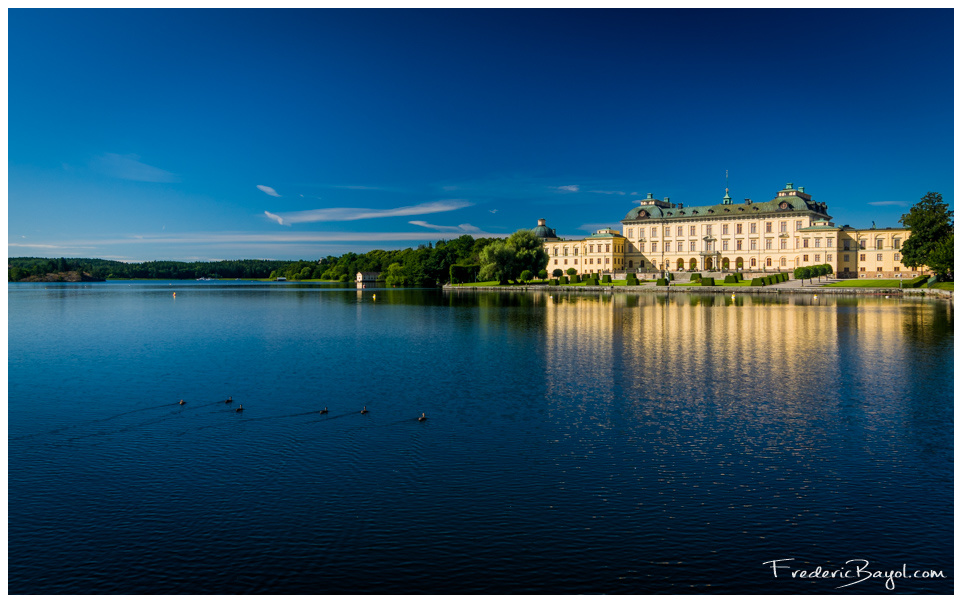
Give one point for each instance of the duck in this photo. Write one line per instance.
(423, 417)
(324, 412)
(229, 400)
(240, 408)
(182, 403)
(364, 410)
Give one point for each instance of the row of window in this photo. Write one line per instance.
(692, 230)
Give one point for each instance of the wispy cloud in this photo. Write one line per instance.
(462, 228)
(129, 167)
(596, 226)
(494, 211)
(882, 203)
(275, 217)
(568, 188)
(608, 192)
(347, 214)
(268, 190)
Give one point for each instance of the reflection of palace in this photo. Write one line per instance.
(779, 235)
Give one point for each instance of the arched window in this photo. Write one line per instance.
(752, 263)
(784, 262)
(768, 262)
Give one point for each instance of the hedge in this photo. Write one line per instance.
(606, 278)
(731, 279)
(662, 282)
(554, 282)
(563, 280)
(757, 282)
(708, 281)
(591, 282)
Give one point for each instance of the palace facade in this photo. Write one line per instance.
(779, 235)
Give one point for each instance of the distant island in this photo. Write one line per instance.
(71, 276)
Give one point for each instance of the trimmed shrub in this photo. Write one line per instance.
(662, 282)
(571, 272)
(526, 275)
(757, 282)
(631, 281)
(542, 274)
(606, 278)
(576, 278)
(739, 276)
(553, 281)
(916, 282)
(671, 276)
(557, 272)
(731, 279)
(563, 280)
(708, 281)
(696, 277)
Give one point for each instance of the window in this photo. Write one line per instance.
(828, 257)
(752, 228)
(878, 257)
(798, 224)
(783, 226)
(753, 263)
(861, 243)
(897, 243)
(724, 245)
(898, 257)
(566, 262)
(591, 248)
(667, 231)
(680, 231)
(829, 242)
(667, 245)
(768, 228)
(844, 257)
(768, 243)
(724, 229)
(738, 229)
(631, 263)
(818, 242)
(641, 247)
(783, 262)
(556, 262)
(878, 243)
(576, 261)
(566, 251)
(630, 232)
(607, 260)
(642, 263)
(845, 245)
(708, 230)
(862, 269)
(692, 246)
(861, 257)
(654, 232)
(804, 242)
(805, 258)
(878, 269)
(818, 258)
(783, 244)
(738, 244)
(753, 244)
(654, 247)
(574, 252)
(768, 262)
(691, 230)
(607, 248)
(591, 260)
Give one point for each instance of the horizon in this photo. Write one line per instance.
(209, 135)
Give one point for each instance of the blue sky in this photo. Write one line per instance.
(218, 134)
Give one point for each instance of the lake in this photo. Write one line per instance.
(575, 443)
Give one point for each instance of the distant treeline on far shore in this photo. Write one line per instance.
(427, 265)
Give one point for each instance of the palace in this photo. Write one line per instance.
(779, 235)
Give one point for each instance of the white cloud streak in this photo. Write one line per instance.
(608, 192)
(129, 167)
(347, 214)
(275, 217)
(884, 203)
(268, 190)
(569, 188)
(462, 228)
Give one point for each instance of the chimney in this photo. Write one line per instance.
(748, 201)
(789, 186)
(666, 200)
(650, 196)
(680, 206)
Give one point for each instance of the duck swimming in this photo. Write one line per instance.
(364, 410)
(324, 412)
(240, 408)
(229, 400)
(422, 417)
(182, 403)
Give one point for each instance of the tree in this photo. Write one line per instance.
(942, 258)
(496, 260)
(930, 221)
(571, 271)
(557, 272)
(542, 274)
(526, 275)
(395, 275)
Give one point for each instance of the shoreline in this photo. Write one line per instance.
(770, 289)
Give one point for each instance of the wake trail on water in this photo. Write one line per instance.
(111, 418)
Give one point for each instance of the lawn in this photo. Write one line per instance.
(943, 286)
